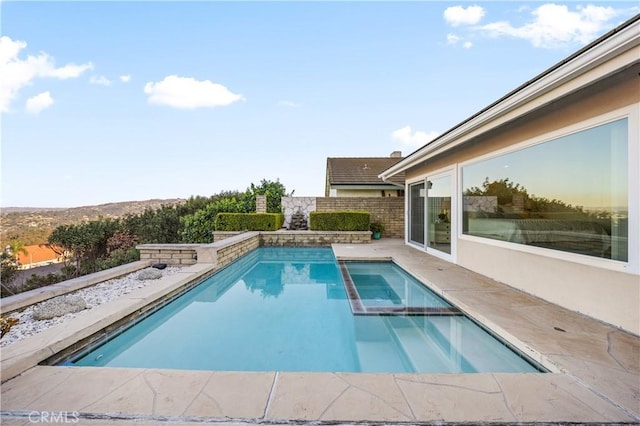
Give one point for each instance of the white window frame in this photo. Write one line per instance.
(632, 265)
(407, 202)
(456, 218)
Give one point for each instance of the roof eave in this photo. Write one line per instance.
(610, 45)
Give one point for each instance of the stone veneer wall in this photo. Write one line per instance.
(222, 235)
(312, 238)
(234, 246)
(388, 210)
(220, 252)
(228, 254)
(171, 254)
(290, 205)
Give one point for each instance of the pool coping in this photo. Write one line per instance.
(567, 395)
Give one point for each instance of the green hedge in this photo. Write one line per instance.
(248, 221)
(339, 221)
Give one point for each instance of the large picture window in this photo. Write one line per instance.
(568, 194)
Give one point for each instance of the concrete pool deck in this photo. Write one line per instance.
(595, 374)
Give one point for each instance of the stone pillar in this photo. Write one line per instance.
(261, 203)
(518, 203)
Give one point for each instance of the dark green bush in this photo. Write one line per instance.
(119, 257)
(248, 221)
(37, 281)
(339, 221)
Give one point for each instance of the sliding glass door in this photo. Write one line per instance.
(416, 213)
(439, 213)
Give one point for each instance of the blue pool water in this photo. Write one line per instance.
(286, 309)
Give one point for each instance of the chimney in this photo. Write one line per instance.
(396, 154)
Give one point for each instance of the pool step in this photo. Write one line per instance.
(416, 345)
(358, 308)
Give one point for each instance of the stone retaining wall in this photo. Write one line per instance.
(233, 245)
(312, 238)
(171, 254)
(222, 235)
(228, 254)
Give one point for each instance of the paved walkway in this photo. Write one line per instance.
(595, 374)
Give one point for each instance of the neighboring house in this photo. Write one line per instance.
(358, 177)
(38, 255)
(540, 190)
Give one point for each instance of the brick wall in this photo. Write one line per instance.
(222, 235)
(171, 254)
(312, 238)
(230, 253)
(261, 203)
(388, 210)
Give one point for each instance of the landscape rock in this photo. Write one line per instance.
(159, 265)
(58, 307)
(149, 274)
(95, 295)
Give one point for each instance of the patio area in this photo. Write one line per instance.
(594, 378)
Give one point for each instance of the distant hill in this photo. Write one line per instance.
(31, 209)
(32, 225)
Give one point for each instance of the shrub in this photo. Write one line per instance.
(339, 221)
(248, 221)
(199, 226)
(119, 257)
(6, 323)
(376, 227)
(37, 281)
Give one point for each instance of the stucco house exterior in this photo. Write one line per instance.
(540, 190)
(358, 177)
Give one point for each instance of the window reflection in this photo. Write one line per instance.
(567, 194)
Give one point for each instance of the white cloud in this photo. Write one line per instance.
(189, 93)
(68, 71)
(17, 73)
(459, 15)
(453, 39)
(100, 80)
(289, 104)
(125, 78)
(555, 25)
(39, 102)
(413, 139)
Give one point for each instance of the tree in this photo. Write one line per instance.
(503, 189)
(199, 227)
(161, 226)
(274, 192)
(8, 271)
(16, 246)
(86, 243)
(535, 207)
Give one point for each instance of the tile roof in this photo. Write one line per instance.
(36, 253)
(361, 170)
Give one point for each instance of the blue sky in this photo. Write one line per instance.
(104, 101)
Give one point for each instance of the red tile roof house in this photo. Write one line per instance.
(38, 255)
(358, 177)
(540, 190)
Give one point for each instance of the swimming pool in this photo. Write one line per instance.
(286, 309)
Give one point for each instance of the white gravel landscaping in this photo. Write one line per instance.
(95, 295)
